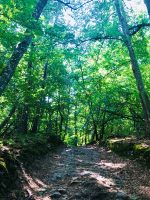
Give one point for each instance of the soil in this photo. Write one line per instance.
(85, 173)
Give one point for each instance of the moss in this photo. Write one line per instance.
(121, 146)
(2, 164)
(131, 148)
(1, 143)
(142, 151)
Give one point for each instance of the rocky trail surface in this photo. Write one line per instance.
(86, 173)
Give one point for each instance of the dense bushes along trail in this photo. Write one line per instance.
(86, 173)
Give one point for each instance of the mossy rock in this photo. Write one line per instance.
(131, 148)
(122, 147)
(142, 151)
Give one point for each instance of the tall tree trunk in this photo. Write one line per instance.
(19, 51)
(145, 102)
(147, 3)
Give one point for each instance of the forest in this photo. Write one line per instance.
(74, 73)
(76, 70)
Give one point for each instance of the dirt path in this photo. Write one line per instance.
(89, 173)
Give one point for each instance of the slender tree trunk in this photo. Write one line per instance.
(147, 3)
(19, 51)
(145, 102)
(25, 117)
(35, 124)
(7, 130)
(61, 123)
(40, 110)
(56, 123)
(49, 123)
(6, 120)
(95, 131)
(22, 124)
(23, 120)
(102, 128)
(75, 120)
(67, 122)
(85, 139)
(138, 122)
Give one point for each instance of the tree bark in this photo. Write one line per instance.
(145, 102)
(75, 120)
(6, 120)
(19, 51)
(147, 3)
(39, 111)
(95, 133)
(102, 128)
(35, 124)
(67, 122)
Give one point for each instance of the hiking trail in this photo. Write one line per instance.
(86, 173)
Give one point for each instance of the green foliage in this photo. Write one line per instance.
(71, 140)
(73, 82)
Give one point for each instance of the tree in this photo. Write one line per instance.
(147, 3)
(73, 79)
(19, 51)
(145, 102)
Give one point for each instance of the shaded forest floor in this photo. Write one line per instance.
(86, 173)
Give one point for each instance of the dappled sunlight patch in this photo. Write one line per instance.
(47, 197)
(60, 164)
(145, 145)
(92, 147)
(110, 165)
(68, 150)
(79, 160)
(122, 139)
(109, 151)
(144, 190)
(39, 182)
(35, 186)
(106, 182)
(57, 157)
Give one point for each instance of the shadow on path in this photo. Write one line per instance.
(86, 173)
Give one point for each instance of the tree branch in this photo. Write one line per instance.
(121, 115)
(71, 7)
(134, 29)
(106, 37)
